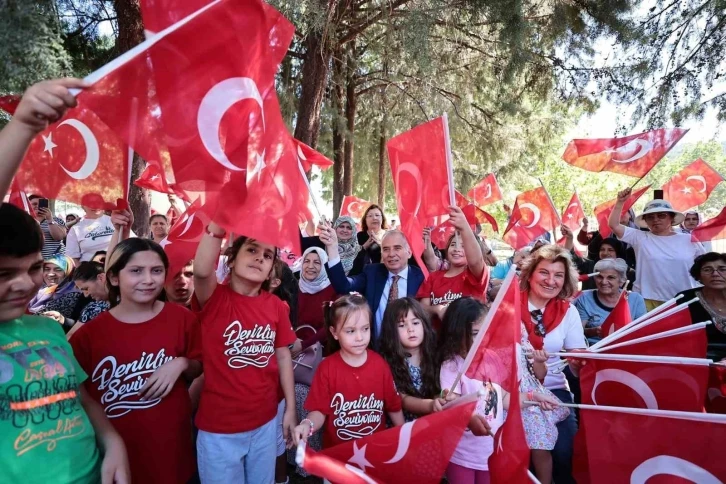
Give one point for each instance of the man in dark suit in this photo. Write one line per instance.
(378, 283)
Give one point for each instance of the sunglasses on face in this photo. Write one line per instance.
(539, 327)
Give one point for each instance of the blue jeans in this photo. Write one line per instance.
(562, 453)
(244, 458)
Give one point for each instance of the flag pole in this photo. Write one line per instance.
(647, 315)
(307, 184)
(450, 169)
(664, 334)
(676, 360)
(559, 219)
(510, 279)
(651, 412)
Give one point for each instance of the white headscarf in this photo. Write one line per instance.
(320, 282)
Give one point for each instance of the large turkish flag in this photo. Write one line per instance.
(692, 185)
(632, 155)
(421, 180)
(77, 159)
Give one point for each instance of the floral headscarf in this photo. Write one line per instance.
(348, 249)
(320, 282)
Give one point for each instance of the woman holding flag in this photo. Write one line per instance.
(548, 280)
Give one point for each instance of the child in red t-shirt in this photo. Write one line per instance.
(408, 344)
(352, 389)
(246, 332)
(467, 275)
(135, 355)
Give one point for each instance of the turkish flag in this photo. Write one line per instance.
(441, 233)
(309, 157)
(716, 393)
(77, 159)
(486, 191)
(152, 178)
(418, 451)
(160, 14)
(421, 180)
(639, 449)
(633, 155)
(712, 229)
(181, 243)
(495, 359)
(573, 214)
(692, 185)
(9, 103)
(664, 386)
(618, 317)
(354, 207)
(19, 198)
(532, 216)
(602, 211)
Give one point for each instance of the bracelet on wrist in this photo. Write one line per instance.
(310, 422)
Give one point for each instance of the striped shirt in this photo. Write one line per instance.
(50, 245)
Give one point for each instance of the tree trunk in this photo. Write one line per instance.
(338, 133)
(130, 34)
(382, 165)
(350, 108)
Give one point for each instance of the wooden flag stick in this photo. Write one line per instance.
(676, 360)
(559, 219)
(450, 170)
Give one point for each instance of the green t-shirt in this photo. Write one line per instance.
(45, 434)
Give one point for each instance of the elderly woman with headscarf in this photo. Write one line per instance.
(57, 282)
(314, 292)
(664, 255)
(691, 220)
(595, 305)
(348, 246)
(710, 271)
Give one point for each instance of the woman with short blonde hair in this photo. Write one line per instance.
(548, 281)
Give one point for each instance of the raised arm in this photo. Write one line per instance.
(43, 103)
(429, 256)
(474, 256)
(122, 221)
(614, 219)
(205, 263)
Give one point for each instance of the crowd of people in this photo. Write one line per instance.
(114, 369)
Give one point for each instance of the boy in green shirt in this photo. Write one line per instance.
(50, 431)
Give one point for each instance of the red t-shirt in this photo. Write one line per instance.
(445, 290)
(240, 368)
(119, 357)
(354, 400)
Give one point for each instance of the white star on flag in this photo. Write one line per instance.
(359, 457)
(155, 177)
(164, 242)
(49, 145)
(442, 229)
(569, 215)
(259, 166)
(686, 190)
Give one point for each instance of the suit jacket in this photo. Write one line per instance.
(370, 284)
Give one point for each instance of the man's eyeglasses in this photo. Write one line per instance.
(539, 327)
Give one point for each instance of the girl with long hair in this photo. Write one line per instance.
(141, 355)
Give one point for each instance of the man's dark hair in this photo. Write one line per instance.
(87, 271)
(33, 197)
(20, 234)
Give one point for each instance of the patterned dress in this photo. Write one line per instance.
(417, 381)
(540, 426)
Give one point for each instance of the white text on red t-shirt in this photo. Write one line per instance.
(249, 347)
(364, 414)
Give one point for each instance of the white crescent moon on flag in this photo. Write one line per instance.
(203, 218)
(698, 178)
(643, 147)
(535, 214)
(668, 465)
(573, 204)
(92, 152)
(351, 210)
(414, 171)
(714, 392)
(215, 104)
(404, 440)
(629, 380)
(284, 192)
(489, 191)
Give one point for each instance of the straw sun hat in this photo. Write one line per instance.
(656, 206)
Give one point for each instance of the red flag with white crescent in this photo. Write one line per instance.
(418, 451)
(19, 198)
(181, 243)
(573, 214)
(692, 185)
(618, 317)
(711, 229)
(420, 177)
(633, 155)
(309, 157)
(532, 216)
(602, 211)
(77, 159)
(153, 178)
(648, 449)
(485, 192)
(354, 207)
